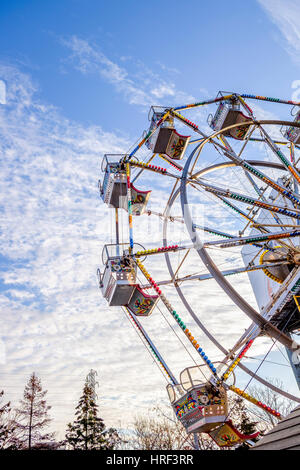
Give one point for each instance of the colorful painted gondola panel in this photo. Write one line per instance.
(139, 200)
(228, 436)
(170, 143)
(142, 304)
(201, 409)
(177, 145)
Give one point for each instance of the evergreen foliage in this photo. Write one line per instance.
(88, 431)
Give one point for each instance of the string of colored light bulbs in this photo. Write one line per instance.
(229, 153)
(243, 95)
(247, 200)
(170, 375)
(192, 341)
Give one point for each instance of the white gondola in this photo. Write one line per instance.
(292, 133)
(166, 140)
(113, 188)
(199, 406)
(118, 280)
(227, 114)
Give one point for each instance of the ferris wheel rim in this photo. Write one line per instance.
(211, 337)
(205, 330)
(213, 269)
(258, 123)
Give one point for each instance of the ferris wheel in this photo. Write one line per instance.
(232, 183)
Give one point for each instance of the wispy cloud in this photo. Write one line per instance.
(141, 88)
(286, 15)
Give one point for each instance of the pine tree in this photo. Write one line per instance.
(88, 431)
(243, 421)
(33, 415)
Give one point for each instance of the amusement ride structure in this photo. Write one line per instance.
(242, 172)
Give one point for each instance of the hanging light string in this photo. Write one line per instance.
(151, 346)
(243, 95)
(188, 352)
(180, 322)
(254, 401)
(178, 337)
(145, 344)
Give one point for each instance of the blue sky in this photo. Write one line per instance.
(211, 46)
(80, 77)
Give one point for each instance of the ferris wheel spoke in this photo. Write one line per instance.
(257, 225)
(238, 241)
(148, 135)
(181, 263)
(295, 213)
(250, 169)
(142, 169)
(212, 231)
(237, 209)
(267, 180)
(205, 277)
(249, 219)
(289, 166)
(259, 191)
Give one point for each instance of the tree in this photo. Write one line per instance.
(88, 431)
(9, 432)
(32, 416)
(240, 415)
(5, 427)
(160, 430)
